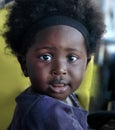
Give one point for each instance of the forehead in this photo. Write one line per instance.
(61, 36)
(60, 30)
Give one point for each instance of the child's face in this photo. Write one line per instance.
(56, 61)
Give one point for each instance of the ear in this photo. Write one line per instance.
(22, 61)
(88, 59)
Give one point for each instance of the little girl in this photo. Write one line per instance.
(53, 41)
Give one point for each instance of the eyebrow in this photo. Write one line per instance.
(46, 47)
(54, 49)
(72, 49)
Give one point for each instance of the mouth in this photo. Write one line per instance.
(59, 87)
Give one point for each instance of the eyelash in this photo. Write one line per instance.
(70, 58)
(45, 57)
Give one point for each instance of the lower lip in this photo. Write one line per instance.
(58, 89)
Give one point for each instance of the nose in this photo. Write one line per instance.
(59, 72)
(59, 68)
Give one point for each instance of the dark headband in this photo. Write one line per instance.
(58, 20)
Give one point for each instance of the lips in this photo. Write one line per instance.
(58, 86)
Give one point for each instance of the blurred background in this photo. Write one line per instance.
(97, 91)
(103, 92)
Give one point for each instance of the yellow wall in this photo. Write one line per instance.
(84, 90)
(12, 81)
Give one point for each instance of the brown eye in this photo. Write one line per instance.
(72, 58)
(46, 57)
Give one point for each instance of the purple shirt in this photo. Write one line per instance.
(41, 112)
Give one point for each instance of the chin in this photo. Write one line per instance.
(59, 96)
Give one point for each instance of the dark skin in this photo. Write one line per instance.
(56, 61)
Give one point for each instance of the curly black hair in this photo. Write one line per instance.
(24, 13)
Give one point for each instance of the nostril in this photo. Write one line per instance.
(61, 72)
(65, 73)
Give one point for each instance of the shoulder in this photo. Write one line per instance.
(51, 113)
(42, 112)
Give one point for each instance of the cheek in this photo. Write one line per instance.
(38, 73)
(78, 72)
